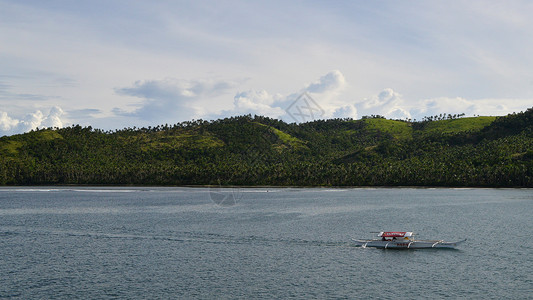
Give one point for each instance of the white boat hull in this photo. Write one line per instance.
(406, 244)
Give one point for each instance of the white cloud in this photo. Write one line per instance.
(317, 100)
(387, 103)
(54, 118)
(348, 111)
(387, 97)
(171, 100)
(327, 92)
(399, 113)
(7, 123)
(257, 103)
(458, 105)
(431, 107)
(333, 81)
(174, 89)
(391, 104)
(37, 119)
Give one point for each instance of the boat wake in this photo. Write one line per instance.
(180, 237)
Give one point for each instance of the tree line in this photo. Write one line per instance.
(257, 150)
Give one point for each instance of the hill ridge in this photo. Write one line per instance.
(246, 150)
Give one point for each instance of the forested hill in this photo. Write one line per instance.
(246, 150)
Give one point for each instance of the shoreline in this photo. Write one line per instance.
(261, 186)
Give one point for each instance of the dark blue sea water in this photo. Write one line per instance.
(157, 243)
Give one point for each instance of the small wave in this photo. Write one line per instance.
(7, 233)
(104, 191)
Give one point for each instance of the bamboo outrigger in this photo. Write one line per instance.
(403, 240)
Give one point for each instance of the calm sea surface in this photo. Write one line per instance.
(157, 243)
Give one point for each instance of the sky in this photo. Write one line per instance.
(113, 64)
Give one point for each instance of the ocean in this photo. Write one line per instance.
(262, 243)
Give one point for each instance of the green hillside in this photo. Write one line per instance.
(458, 125)
(246, 150)
(398, 129)
(285, 138)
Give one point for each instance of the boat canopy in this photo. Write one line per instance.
(395, 234)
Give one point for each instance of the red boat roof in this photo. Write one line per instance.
(395, 234)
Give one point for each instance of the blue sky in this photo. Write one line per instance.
(115, 64)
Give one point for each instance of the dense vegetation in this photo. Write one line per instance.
(246, 150)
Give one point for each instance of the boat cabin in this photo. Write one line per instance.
(395, 235)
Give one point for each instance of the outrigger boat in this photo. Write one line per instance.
(403, 240)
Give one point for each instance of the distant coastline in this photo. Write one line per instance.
(255, 151)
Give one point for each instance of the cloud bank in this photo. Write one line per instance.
(171, 100)
(392, 105)
(324, 99)
(37, 119)
(316, 100)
